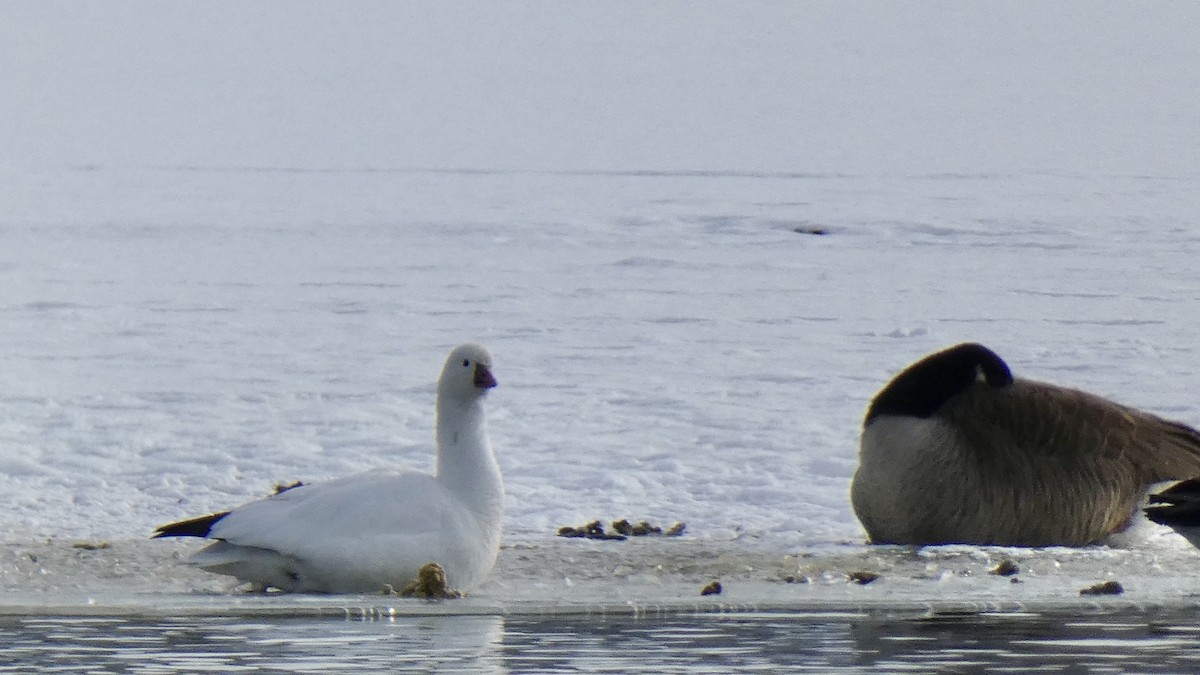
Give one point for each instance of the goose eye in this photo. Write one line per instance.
(466, 363)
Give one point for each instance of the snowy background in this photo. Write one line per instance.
(237, 240)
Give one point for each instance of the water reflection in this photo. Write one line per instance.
(1141, 640)
(1144, 641)
(466, 644)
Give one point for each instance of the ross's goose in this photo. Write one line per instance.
(956, 450)
(366, 532)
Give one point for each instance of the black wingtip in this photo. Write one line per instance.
(1177, 506)
(196, 527)
(923, 387)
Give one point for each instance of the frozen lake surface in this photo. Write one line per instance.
(672, 347)
(235, 247)
(668, 346)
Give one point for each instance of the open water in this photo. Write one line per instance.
(1128, 640)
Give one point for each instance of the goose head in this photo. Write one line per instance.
(467, 374)
(926, 385)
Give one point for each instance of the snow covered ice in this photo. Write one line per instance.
(205, 291)
(694, 362)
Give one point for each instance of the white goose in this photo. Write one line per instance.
(956, 450)
(360, 533)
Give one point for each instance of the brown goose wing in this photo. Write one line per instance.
(1075, 428)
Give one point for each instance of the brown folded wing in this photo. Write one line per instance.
(1073, 427)
(1058, 465)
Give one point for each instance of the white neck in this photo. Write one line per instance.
(465, 462)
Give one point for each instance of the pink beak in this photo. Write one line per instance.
(483, 377)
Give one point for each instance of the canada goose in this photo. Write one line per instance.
(365, 532)
(956, 450)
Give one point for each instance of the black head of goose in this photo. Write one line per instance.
(956, 450)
